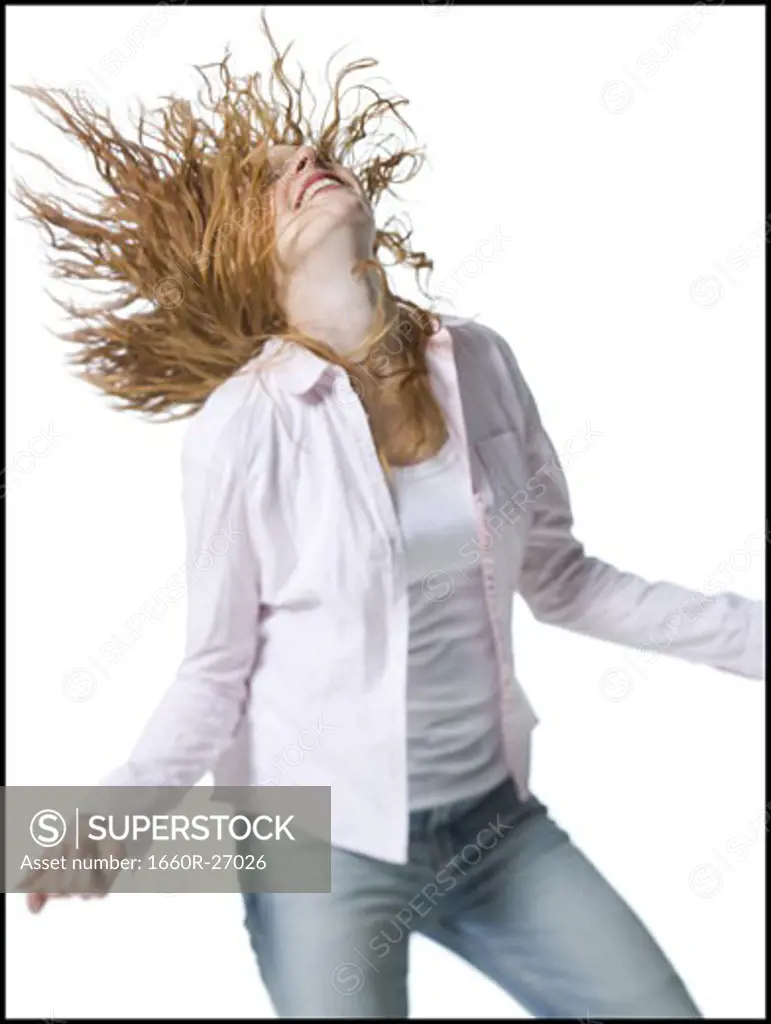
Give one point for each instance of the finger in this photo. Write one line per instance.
(36, 901)
(30, 880)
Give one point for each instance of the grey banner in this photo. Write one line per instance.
(145, 839)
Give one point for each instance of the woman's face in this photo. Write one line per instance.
(313, 200)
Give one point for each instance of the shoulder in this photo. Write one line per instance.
(480, 341)
(490, 377)
(226, 429)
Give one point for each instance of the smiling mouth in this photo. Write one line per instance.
(317, 184)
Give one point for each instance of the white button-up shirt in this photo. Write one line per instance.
(294, 671)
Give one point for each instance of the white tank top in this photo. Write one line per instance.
(454, 746)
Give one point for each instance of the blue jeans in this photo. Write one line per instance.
(493, 879)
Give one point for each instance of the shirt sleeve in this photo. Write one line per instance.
(199, 713)
(565, 587)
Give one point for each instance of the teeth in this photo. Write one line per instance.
(317, 186)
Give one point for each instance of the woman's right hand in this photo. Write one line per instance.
(43, 884)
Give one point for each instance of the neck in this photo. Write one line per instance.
(323, 299)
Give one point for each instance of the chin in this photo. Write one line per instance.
(338, 203)
(313, 223)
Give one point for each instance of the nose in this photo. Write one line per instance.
(305, 157)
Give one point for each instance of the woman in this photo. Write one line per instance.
(380, 484)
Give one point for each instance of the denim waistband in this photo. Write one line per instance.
(495, 800)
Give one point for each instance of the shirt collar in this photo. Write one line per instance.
(301, 370)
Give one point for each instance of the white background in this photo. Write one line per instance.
(620, 181)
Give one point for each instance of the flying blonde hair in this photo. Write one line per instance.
(184, 241)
